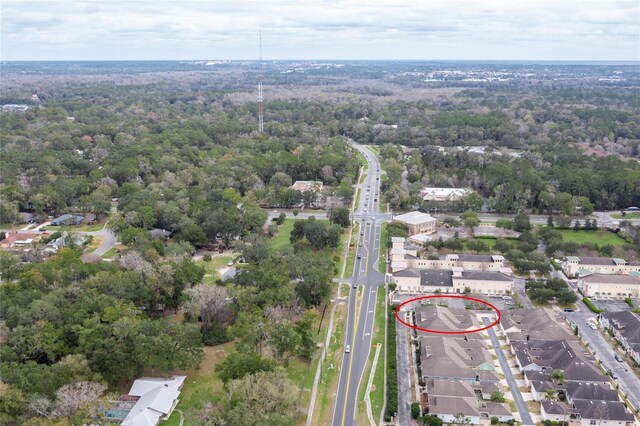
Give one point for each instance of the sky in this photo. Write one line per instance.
(322, 29)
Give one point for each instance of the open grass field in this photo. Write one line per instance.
(600, 238)
(202, 385)
(284, 232)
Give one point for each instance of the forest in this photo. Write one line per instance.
(175, 146)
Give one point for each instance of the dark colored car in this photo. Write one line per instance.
(568, 310)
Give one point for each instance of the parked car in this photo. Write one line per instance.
(619, 358)
(568, 310)
(593, 326)
(612, 374)
(230, 263)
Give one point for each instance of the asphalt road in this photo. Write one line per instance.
(628, 381)
(508, 375)
(362, 299)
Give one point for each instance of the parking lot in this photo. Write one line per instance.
(451, 302)
(611, 305)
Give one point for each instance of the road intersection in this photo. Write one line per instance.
(366, 282)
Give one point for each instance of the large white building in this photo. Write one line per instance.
(453, 281)
(444, 194)
(575, 266)
(606, 286)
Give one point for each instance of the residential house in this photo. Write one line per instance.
(67, 220)
(625, 326)
(157, 398)
(532, 324)
(447, 398)
(18, 239)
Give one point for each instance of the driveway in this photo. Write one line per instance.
(108, 240)
(508, 375)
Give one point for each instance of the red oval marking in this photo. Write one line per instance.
(453, 296)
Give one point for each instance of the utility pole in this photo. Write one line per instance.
(260, 106)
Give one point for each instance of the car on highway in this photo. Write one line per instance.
(361, 232)
(360, 244)
(619, 358)
(347, 348)
(359, 256)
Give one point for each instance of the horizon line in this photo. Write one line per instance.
(326, 59)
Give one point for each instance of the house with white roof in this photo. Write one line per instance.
(157, 399)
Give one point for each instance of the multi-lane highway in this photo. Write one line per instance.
(366, 282)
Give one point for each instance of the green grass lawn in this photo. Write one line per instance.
(11, 226)
(110, 254)
(281, 240)
(95, 243)
(377, 388)
(382, 263)
(351, 257)
(632, 215)
(598, 237)
(211, 267)
(201, 385)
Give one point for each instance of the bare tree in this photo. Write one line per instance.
(77, 396)
(211, 301)
(41, 406)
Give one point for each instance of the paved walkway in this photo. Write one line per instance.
(404, 373)
(513, 386)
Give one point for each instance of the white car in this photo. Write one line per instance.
(230, 263)
(593, 326)
(347, 348)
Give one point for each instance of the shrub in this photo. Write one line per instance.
(214, 333)
(415, 410)
(495, 420)
(206, 257)
(392, 373)
(591, 306)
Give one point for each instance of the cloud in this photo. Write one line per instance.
(304, 29)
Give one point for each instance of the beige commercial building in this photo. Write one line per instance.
(307, 185)
(575, 266)
(605, 286)
(444, 194)
(455, 281)
(405, 255)
(418, 222)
